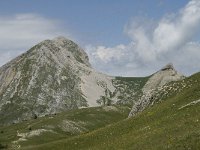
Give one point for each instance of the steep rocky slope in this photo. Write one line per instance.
(172, 123)
(53, 76)
(154, 84)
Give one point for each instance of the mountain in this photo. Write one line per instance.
(150, 91)
(171, 123)
(55, 76)
(50, 98)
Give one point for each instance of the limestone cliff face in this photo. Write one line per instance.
(53, 76)
(165, 75)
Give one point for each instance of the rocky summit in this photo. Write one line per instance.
(155, 83)
(52, 98)
(55, 76)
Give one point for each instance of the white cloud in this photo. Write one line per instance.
(155, 44)
(20, 32)
(173, 32)
(107, 54)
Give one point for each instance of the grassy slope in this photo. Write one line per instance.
(163, 126)
(80, 121)
(130, 89)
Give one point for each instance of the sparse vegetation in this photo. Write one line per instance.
(45, 85)
(129, 88)
(161, 126)
(3, 146)
(62, 126)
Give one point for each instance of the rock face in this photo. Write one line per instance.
(53, 76)
(165, 75)
(168, 67)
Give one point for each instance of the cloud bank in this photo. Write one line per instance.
(20, 32)
(154, 44)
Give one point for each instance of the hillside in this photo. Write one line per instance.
(60, 126)
(171, 123)
(154, 85)
(51, 98)
(56, 76)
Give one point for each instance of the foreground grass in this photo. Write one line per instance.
(61, 126)
(166, 125)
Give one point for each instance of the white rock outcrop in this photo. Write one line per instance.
(165, 75)
(53, 76)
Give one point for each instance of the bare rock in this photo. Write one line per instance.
(168, 67)
(165, 75)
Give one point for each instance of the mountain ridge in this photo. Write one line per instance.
(55, 75)
(171, 122)
(47, 79)
(165, 75)
(51, 98)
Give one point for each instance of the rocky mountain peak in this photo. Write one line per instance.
(167, 74)
(157, 80)
(168, 67)
(61, 41)
(74, 50)
(61, 38)
(63, 49)
(53, 76)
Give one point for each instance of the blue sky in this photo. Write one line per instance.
(121, 37)
(93, 21)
